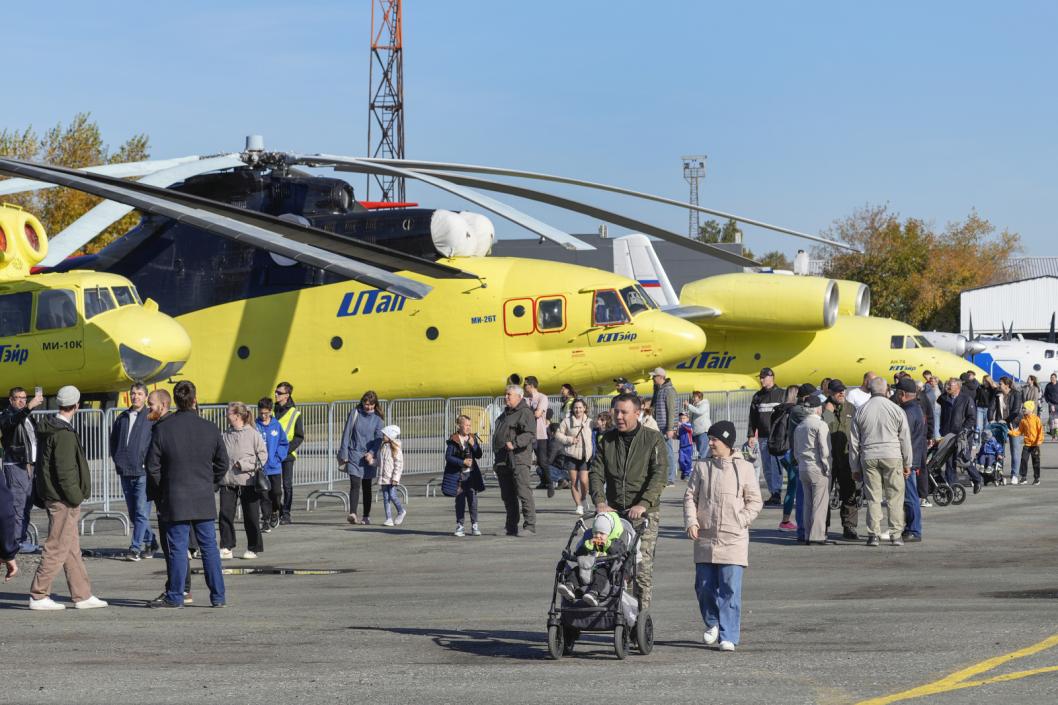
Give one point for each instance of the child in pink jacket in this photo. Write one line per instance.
(390, 467)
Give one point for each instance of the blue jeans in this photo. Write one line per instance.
(701, 442)
(936, 420)
(719, 590)
(674, 458)
(177, 533)
(1016, 444)
(912, 506)
(390, 496)
(769, 465)
(135, 489)
(982, 419)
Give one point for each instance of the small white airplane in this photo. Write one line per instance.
(1007, 355)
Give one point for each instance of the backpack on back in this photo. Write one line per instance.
(778, 438)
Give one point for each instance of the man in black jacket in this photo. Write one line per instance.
(289, 417)
(185, 462)
(767, 399)
(19, 440)
(512, 443)
(1050, 398)
(129, 438)
(916, 425)
(959, 416)
(1013, 400)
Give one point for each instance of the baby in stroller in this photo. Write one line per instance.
(596, 556)
(990, 458)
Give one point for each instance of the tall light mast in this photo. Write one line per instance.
(385, 123)
(693, 172)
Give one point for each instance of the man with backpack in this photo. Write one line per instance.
(764, 402)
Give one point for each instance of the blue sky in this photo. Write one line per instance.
(807, 111)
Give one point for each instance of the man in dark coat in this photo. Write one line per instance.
(19, 441)
(916, 425)
(185, 462)
(839, 421)
(129, 438)
(512, 445)
(958, 415)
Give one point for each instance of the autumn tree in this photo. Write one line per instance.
(711, 232)
(916, 272)
(77, 145)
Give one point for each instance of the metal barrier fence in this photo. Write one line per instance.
(425, 426)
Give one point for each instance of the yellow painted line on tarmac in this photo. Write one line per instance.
(960, 679)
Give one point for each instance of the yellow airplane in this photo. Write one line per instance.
(418, 328)
(89, 329)
(804, 328)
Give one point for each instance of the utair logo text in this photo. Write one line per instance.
(616, 337)
(708, 360)
(15, 354)
(370, 301)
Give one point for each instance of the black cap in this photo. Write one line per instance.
(723, 431)
(813, 400)
(906, 384)
(805, 390)
(836, 385)
(766, 372)
(620, 380)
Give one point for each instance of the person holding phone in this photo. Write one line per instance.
(18, 435)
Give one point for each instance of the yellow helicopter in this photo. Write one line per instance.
(89, 329)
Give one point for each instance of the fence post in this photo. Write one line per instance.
(313, 499)
(102, 449)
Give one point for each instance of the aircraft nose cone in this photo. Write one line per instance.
(677, 339)
(159, 348)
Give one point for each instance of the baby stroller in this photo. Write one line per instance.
(618, 608)
(936, 463)
(990, 464)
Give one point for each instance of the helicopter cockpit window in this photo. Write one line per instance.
(124, 296)
(608, 309)
(550, 314)
(923, 342)
(56, 308)
(646, 296)
(96, 301)
(636, 301)
(896, 342)
(15, 312)
(910, 343)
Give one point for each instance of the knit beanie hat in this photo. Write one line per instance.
(723, 431)
(603, 524)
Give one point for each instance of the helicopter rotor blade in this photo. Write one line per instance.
(153, 200)
(91, 224)
(499, 171)
(122, 171)
(355, 164)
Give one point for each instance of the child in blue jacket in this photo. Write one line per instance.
(276, 441)
(686, 435)
(991, 452)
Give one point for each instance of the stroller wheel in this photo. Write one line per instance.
(556, 642)
(645, 633)
(569, 636)
(958, 494)
(620, 641)
(942, 495)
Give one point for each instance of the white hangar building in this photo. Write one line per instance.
(1027, 304)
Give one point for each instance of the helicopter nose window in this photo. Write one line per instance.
(56, 308)
(608, 310)
(96, 301)
(15, 313)
(124, 296)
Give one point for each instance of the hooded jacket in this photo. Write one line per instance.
(722, 500)
(574, 435)
(62, 472)
(246, 451)
(811, 445)
(390, 463)
(275, 439)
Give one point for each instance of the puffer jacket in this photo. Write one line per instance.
(390, 463)
(246, 451)
(722, 500)
(575, 436)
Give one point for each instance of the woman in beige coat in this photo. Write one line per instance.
(722, 500)
(574, 433)
(247, 454)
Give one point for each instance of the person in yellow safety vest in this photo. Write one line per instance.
(590, 579)
(289, 417)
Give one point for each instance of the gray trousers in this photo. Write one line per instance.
(816, 488)
(517, 494)
(884, 477)
(20, 481)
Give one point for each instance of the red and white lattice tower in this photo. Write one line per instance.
(385, 124)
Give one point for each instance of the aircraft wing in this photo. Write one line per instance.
(370, 264)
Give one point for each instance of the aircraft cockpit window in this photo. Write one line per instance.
(56, 308)
(15, 313)
(550, 314)
(96, 301)
(1048, 354)
(646, 296)
(608, 311)
(923, 342)
(896, 342)
(635, 299)
(910, 343)
(124, 296)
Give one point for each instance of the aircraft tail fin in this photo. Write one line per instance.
(635, 258)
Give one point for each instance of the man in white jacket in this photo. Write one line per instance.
(811, 447)
(880, 454)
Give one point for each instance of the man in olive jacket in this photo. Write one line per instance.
(628, 474)
(185, 462)
(512, 445)
(62, 482)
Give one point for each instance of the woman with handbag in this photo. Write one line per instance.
(575, 435)
(247, 454)
(462, 477)
(358, 453)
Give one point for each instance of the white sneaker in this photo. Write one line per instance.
(400, 516)
(711, 635)
(579, 511)
(91, 603)
(248, 555)
(45, 604)
(475, 530)
(1014, 480)
(925, 503)
(225, 553)
(387, 522)
(566, 591)
(459, 530)
(727, 646)
(884, 536)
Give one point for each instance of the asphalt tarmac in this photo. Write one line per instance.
(425, 617)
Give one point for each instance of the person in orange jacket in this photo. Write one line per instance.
(1031, 428)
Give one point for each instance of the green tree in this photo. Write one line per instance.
(916, 272)
(77, 145)
(711, 232)
(774, 259)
